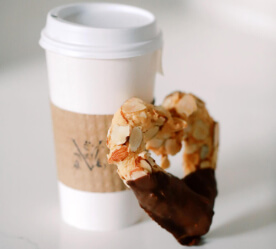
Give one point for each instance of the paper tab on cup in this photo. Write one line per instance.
(81, 152)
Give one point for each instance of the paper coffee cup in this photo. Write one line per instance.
(98, 55)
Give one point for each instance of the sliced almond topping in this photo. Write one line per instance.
(179, 124)
(133, 105)
(171, 100)
(125, 182)
(215, 157)
(108, 136)
(151, 133)
(109, 131)
(143, 115)
(167, 127)
(119, 154)
(124, 116)
(151, 161)
(191, 159)
(137, 174)
(186, 105)
(160, 121)
(168, 103)
(205, 164)
(144, 164)
(143, 154)
(204, 151)
(155, 143)
(165, 163)
(135, 138)
(119, 119)
(164, 136)
(161, 110)
(200, 102)
(190, 148)
(201, 130)
(216, 135)
(119, 134)
(172, 146)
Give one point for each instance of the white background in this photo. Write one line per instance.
(221, 50)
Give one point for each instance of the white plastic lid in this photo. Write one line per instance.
(100, 31)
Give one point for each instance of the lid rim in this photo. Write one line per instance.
(105, 52)
(68, 36)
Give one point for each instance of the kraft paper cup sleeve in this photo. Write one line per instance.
(81, 152)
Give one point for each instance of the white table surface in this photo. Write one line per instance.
(233, 71)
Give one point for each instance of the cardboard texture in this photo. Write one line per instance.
(81, 152)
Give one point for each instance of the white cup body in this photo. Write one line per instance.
(100, 86)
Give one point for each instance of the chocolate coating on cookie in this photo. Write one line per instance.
(184, 207)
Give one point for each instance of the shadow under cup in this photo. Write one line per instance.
(87, 84)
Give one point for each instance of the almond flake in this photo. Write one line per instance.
(125, 182)
(204, 151)
(119, 134)
(172, 146)
(145, 165)
(119, 119)
(186, 105)
(161, 115)
(216, 135)
(155, 143)
(201, 130)
(160, 121)
(133, 105)
(190, 148)
(165, 163)
(137, 174)
(205, 164)
(151, 133)
(151, 161)
(179, 124)
(143, 115)
(119, 154)
(143, 154)
(109, 131)
(135, 138)
(161, 110)
(215, 157)
(171, 100)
